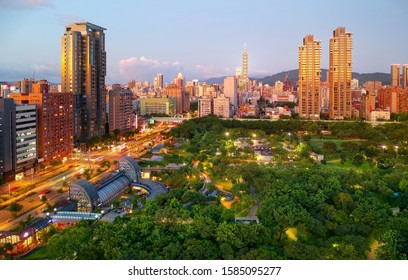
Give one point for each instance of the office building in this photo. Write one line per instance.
(55, 121)
(18, 139)
(309, 78)
(231, 90)
(395, 75)
(7, 138)
(155, 105)
(83, 71)
(120, 109)
(340, 74)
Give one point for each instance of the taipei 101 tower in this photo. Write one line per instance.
(245, 65)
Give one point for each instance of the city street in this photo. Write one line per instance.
(32, 204)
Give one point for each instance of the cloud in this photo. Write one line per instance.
(26, 4)
(66, 19)
(50, 72)
(144, 68)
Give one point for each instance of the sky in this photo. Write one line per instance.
(199, 38)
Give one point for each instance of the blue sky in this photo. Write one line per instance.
(201, 38)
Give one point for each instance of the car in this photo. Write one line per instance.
(44, 192)
(71, 166)
(12, 189)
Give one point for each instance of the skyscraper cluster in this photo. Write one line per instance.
(340, 76)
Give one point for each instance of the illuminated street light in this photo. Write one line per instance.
(227, 133)
(254, 135)
(383, 148)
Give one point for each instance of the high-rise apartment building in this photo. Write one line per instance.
(231, 90)
(179, 81)
(394, 99)
(340, 75)
(177, 93)
(27, 85)
(372, 86)
(159, 81)
(309, 78)
(131, 84)
(367, 104)
(221, 106)
(204, 106)
(83, 71)
(395, 75)
(120, 109)
(245, 65)
(405, 76)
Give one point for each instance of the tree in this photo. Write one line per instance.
(14, 208)
(358, 160)
(385, 161)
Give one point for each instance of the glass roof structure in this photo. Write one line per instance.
(88, 197)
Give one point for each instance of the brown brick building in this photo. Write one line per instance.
(393, 98)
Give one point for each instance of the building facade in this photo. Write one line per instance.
(221, 106)
(83, 71)
(393, 99)
(367, 103)
(309, 78)
(405, 76)
(7, 138)
(204, 106)
(176, 92)
(120, 109)
(395, 75)
(340, 74)
(231, 90)
(159, 81)
(154, 105)
(245, 65)
(55, 122)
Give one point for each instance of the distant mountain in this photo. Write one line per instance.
(293, 76)
(219, 80)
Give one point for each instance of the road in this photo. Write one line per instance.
(66, 172)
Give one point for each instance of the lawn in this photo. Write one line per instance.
(38, 254)
(348, 165)
(317, 144)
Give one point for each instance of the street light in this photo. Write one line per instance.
(289, 136)
(383, 148)
(254, 135)
(227, 133)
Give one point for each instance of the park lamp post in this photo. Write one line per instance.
(383, 148)
(227, 133)
(289, 136)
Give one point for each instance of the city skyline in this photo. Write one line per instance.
(180, 38)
